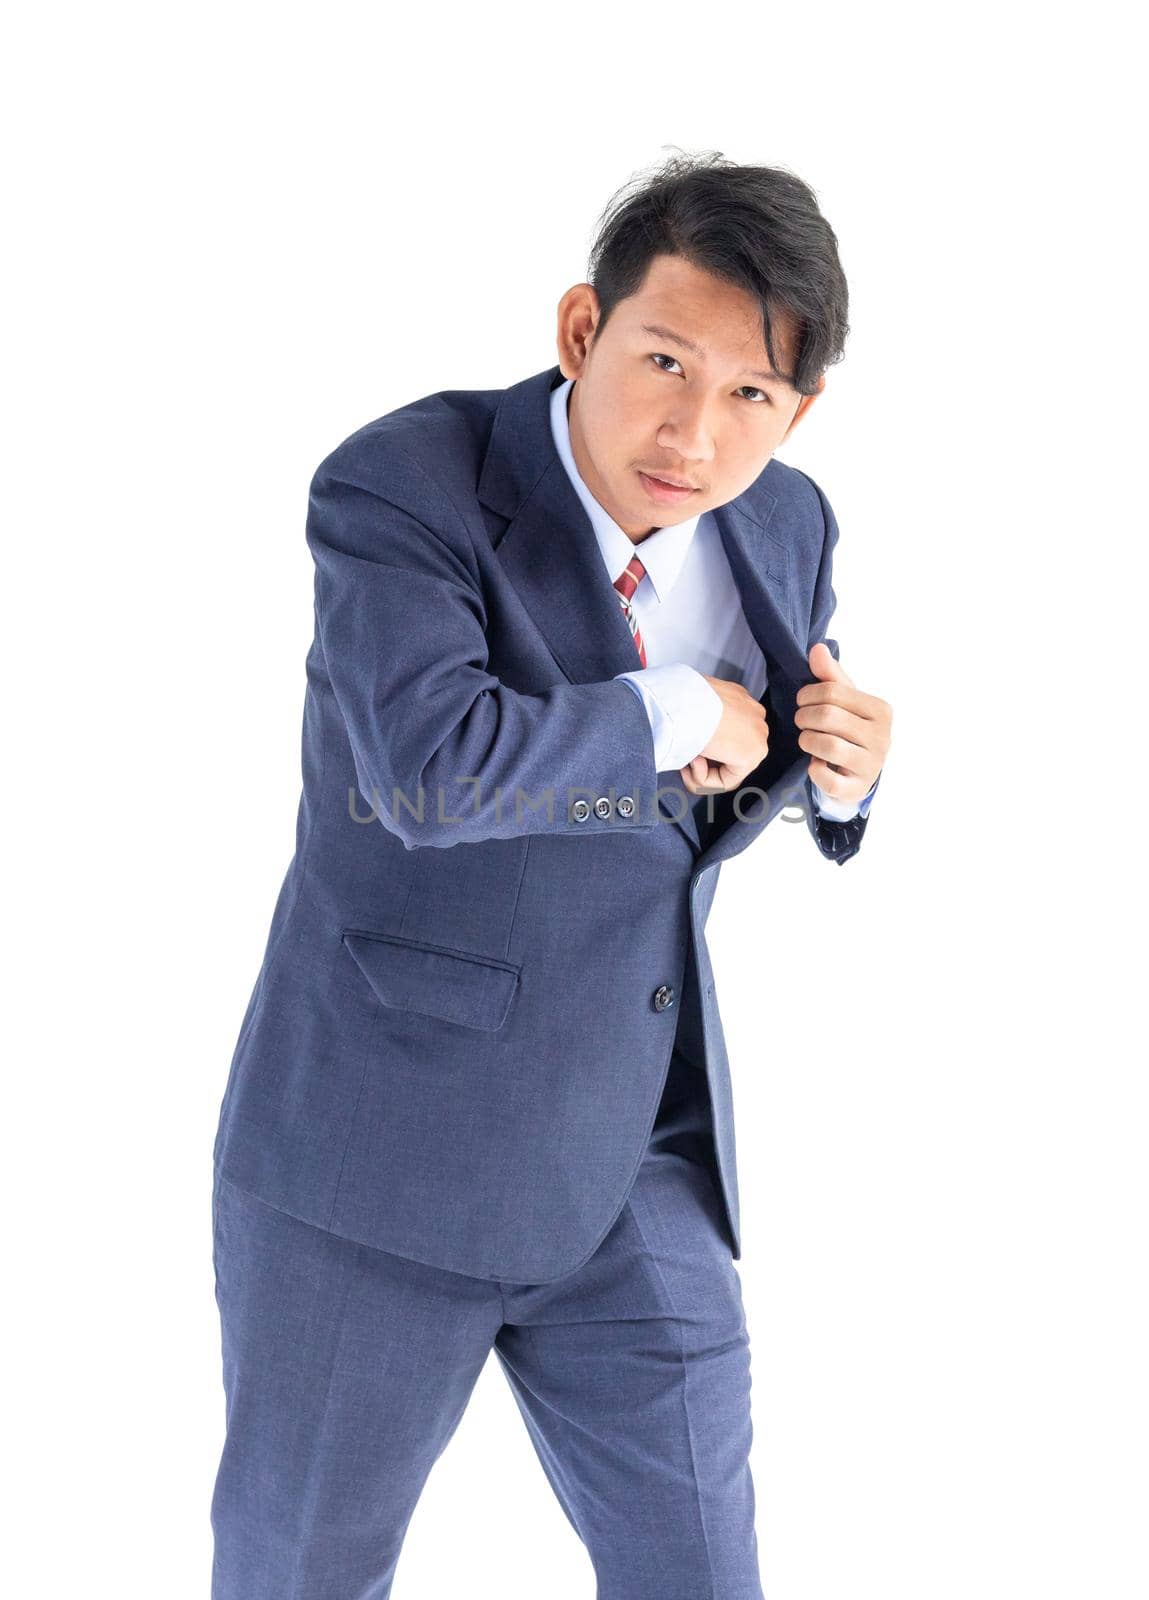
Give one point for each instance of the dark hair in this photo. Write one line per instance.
(756, 227)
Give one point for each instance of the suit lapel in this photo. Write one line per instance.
(760, 565)
(549, 552)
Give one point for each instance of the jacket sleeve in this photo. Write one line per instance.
(444, 752)
(836, 840)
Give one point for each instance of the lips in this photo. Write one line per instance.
(665, 493)
(671, 483)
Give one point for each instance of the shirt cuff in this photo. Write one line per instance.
(843, 810)
(682, 708)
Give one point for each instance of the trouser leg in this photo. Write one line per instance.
(633, 1377)
(346, 1371)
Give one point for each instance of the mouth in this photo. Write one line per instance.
(665, 490)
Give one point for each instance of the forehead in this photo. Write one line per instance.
(716, 322)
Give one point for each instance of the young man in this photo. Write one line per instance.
(569, 658)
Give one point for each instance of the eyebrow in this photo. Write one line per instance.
(697, 350)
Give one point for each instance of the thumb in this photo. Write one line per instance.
(823, 665)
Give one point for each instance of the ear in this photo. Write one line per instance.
(578, 314)
(804, 405)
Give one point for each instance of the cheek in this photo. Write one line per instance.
(611, 452)
(602, 442)
(618, 443)
(618, 432)
(756, 445)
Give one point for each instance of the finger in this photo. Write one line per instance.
(719, 777)
(840, 752)
(835, 782)
(836, 721)
(825, 665)
(697, 777)
(833, 692)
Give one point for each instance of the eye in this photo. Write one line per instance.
(761, 393)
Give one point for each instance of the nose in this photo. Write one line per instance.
(688, 432)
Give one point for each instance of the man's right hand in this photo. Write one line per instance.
(737, 745)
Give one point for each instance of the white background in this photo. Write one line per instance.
(240, 232)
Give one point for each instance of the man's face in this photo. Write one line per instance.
(644, 403)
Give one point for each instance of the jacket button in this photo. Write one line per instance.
(625, 805)
(580, 810)
(662, 997)
(603, 806)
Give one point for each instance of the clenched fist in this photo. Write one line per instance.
(736, 746)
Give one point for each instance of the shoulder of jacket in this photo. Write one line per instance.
(792, 485)
(424, 456)
(796, 505)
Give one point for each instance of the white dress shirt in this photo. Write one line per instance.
(691, 619)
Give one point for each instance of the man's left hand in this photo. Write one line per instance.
(846, 732)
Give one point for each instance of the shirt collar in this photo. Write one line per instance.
(662, 552)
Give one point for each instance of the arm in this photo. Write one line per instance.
(401, 622)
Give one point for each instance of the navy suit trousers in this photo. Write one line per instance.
(347, 1369)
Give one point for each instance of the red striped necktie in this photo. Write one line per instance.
(626, 583)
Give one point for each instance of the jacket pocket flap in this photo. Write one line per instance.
(432, 980)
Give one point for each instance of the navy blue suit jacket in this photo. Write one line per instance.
(493, 925)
